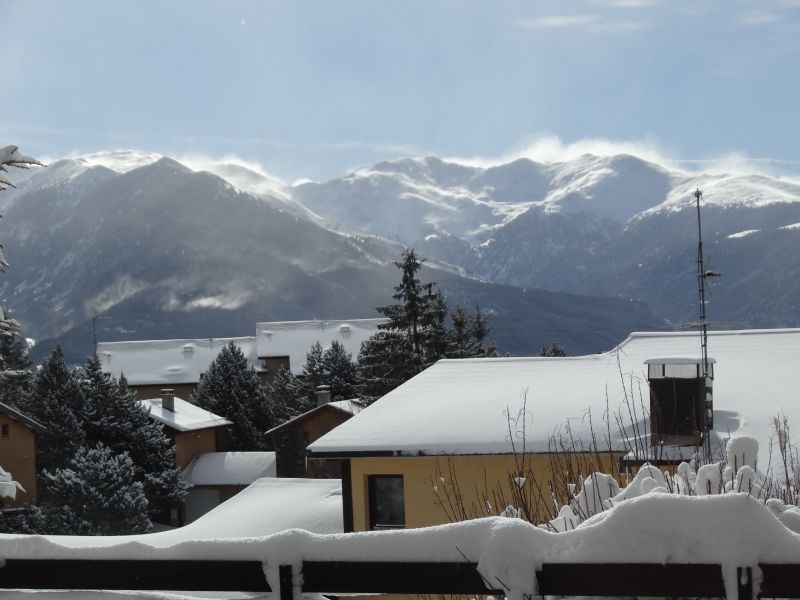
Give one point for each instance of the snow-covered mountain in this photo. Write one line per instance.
(166, 251)
(610, 225)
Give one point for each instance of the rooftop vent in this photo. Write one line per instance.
(681, 400)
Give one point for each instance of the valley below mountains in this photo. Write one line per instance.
(581, 252)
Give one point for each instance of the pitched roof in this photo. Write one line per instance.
(464, 406)
(167, 362)
(295, 338)
(185, 417)
(230, 468)
(21, 417)
(348, 407)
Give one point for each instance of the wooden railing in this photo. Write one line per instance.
(582, 579)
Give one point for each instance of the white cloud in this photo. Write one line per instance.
(588, 23)
(626, 3)
(551, 149)
(558, 21)
(755, 18)
(245, 174)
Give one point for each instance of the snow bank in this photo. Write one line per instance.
(230, 468)
(731, 530)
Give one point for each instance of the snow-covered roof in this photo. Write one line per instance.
(21, 417)
(167, 362)
(351, 407)
(462, 406)
(266, 507)
(185, 417)
(230, 468)
(295, 338)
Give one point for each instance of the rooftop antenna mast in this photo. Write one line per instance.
(702, 275)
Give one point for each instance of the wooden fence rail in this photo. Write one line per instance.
(583, 579)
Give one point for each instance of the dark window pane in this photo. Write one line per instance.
(387, 507)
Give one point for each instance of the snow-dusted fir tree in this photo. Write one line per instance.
(231, 389)
(10, 156)
(57, 402)
(16, 365)
(416, 335)
(96, 494)
(467, 335)
(117, 421)
(287, 397)
(555, 349)
(399, 351)
(339, 372)
(333, 367)
(14, 373)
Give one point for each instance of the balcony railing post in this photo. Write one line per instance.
(286, 581)
(744, 580)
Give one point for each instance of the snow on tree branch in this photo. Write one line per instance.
(11, 156)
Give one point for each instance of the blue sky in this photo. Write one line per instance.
(311, 89)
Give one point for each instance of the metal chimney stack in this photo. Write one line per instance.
(168, 400)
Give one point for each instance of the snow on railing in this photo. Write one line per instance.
(664, 543)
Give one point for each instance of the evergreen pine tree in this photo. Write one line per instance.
(467, 335)
(287, 397)
(118, 422)
(555, 349)
(383, 364)
(97, 494)
(339, 372)
(232, 390)
(15, 369)
(312, 378)
(415, 337)
(56, 401)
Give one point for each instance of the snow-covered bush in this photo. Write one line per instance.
(10, 156)
(9, 487)
(96, 494)
(738, 474)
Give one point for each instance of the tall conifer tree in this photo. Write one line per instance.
(232, 390)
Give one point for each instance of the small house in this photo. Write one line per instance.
(215, 477)
(18, 453)
(293, 436)
(179, 364)
(192, 429)
(450, 442)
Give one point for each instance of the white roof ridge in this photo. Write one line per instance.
(176, 340)
(363, 320)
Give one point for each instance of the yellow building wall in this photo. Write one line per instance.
(441, 490)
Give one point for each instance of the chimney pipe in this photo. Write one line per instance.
(323, 393)
(168, 400)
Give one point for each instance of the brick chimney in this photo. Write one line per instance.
(168, 400)
(323, 393)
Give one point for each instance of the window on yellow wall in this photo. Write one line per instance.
(386, 502)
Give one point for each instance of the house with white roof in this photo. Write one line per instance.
(460, 428)
(192, 429)
(215, 477)
(293, 436)
(291, 340)
(152, 365)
